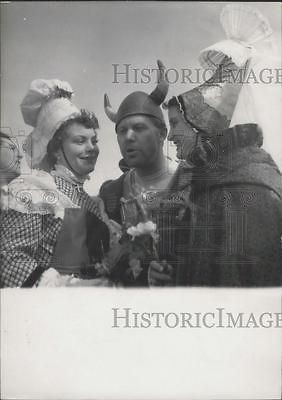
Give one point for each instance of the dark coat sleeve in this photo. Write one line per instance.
(111, 193)
(235, 238)
(98, 237)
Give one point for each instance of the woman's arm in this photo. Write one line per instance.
(22, 258)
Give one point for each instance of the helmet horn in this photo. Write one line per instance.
(108, 109)
(159, 93)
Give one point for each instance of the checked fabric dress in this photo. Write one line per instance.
(28, 239)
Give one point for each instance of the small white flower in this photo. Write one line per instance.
(149, 227)
(52, 278)
(143, 228)
(133, 231)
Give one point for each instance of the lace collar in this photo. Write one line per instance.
(63, 172)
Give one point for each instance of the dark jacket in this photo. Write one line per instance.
(236, 217)
(111, 192)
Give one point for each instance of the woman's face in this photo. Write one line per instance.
(9, 158)
(79, 148)
(181, 133)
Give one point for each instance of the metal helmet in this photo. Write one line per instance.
(141, 103)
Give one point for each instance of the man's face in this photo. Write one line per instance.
(9, 158)
(181, 133)
(140, 141)
(80, 148)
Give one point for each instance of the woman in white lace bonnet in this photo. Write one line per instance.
(50, 221)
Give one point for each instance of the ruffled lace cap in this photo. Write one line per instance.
(46, 106)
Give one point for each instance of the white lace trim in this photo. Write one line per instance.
(36, 193)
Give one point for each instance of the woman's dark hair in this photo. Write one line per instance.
(86, 118)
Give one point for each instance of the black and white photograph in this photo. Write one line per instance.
(141, 200)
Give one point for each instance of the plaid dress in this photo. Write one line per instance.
(28, 240)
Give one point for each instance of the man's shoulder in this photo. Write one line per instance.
(112, 186)
(110, 192)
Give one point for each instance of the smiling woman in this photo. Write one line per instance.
(49, 220)
(74, 145)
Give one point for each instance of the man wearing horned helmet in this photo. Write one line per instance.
(141, 132)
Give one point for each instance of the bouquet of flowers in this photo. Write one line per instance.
(128, 260)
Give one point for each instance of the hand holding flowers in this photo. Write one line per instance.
(128, 260)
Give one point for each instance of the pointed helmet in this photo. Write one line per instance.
(141, 103)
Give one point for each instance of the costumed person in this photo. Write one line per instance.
(141, 132)
(10, 161)
(52, 231)
(236, 194)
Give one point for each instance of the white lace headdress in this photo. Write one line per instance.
(45, 107)
(250, 40)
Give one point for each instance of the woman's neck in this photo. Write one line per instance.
(63, 171)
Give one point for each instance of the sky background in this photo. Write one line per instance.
(80, 41)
